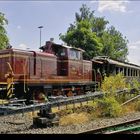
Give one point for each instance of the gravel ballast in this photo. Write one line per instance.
(21, 124)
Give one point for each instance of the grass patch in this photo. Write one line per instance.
(129, 108)
(74, 118)
(137, 106)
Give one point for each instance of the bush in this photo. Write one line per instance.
(134, 86)
(109, 107)
(113, 83)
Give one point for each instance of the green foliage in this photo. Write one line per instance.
(115, 45)
(109, 107)
(113, 83)
(3, 35)
(135, 84)
(83, 37)
(85, 14)
(99, 25)
(90, 33)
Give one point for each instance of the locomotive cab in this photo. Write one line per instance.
(74, 75)
(64, 54)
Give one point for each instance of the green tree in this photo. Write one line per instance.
(85, 14)
(99, 25)
(90, 33)
(115, 45)
(3, 34)
(81, 35)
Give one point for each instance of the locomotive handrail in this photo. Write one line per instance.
(24, 69)
(10, 68)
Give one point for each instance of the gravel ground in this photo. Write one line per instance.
(19, 124)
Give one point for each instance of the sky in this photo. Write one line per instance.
(24, 18)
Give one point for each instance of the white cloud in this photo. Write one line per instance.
(95, 1)
(134, 59)
(22, 46)
(134, 45)
(134, 52)
(112, 5)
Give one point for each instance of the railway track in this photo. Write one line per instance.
(125, 127)
(18, 106)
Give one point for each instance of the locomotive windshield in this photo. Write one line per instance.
(74, 54)
(61, 52)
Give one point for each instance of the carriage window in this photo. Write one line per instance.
(125, 72)
(128, 72)
(117, 71)
(135, 72)
(131, 72)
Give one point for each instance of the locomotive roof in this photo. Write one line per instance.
(70, 47)
(117, 62)
(25, 52)
(15, 50)
(62, 45)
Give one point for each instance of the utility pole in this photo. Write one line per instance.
(40, 27)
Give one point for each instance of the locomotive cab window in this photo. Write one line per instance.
(74, 54)
(61, 52)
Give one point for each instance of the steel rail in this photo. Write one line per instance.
(125, 130)
(110, 128)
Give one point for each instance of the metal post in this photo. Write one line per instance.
(40, 27)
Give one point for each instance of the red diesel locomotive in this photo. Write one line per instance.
(55, 70)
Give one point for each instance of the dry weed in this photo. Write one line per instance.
(74, 119)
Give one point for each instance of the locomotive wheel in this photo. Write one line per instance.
(69, 93)
(80, 92)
